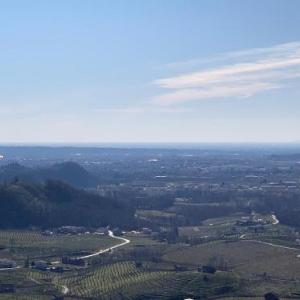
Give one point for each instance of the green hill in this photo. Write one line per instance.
(55, 203)
(69, 172)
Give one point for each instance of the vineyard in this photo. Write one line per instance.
(23, 243)
(122, 280)
(144, 268)
(109, 280)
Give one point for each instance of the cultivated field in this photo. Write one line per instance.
(19, 245)
(123, 280)
(244, 257)
(247, 265)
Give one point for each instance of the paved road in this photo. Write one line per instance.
(275, 220)
(7, 269)
(273, 245)
(111, 234)
(65, 289)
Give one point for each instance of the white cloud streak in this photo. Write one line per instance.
(252, 71)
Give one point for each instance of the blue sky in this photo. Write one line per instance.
(149, 71)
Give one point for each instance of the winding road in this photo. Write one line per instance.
(65, 289)
(111, 234)
(272, 245)
(275, 220)
(8, 269)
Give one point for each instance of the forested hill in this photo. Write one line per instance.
(69, 172)
(54, 203)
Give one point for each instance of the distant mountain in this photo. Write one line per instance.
(69, 172)
(55, 203)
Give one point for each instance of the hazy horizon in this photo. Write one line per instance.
(155, 145)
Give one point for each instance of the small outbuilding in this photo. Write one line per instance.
(7, 288)
(41, 265)
(271, 296)
(73, 261)
(71, 230)
(207, 269)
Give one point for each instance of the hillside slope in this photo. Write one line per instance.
(55, 203)
(69, 172)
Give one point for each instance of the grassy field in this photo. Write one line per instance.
(20, 244)
(245, 257)
(228, 220)
(154, 214)
(204, 231)
(263, 266)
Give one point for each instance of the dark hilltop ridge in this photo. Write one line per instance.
(68, 172)
(55, 203)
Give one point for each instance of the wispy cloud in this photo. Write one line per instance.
(250, 72)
